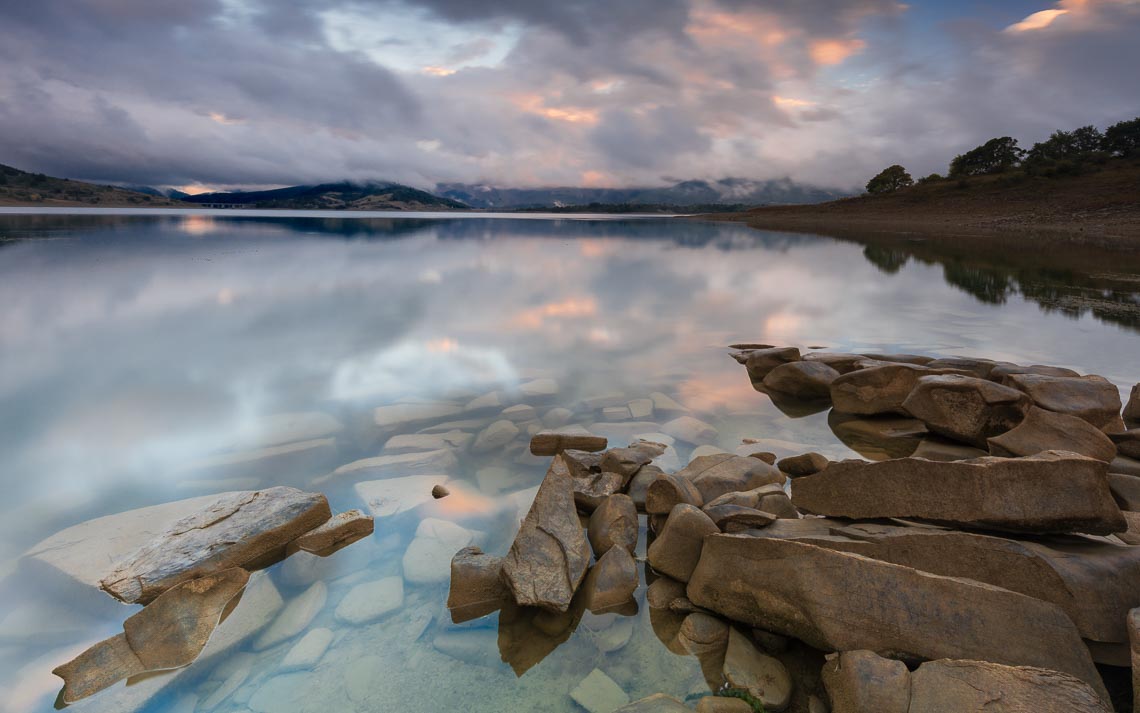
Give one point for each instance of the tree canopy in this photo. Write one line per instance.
(890, 179)
(994, 156)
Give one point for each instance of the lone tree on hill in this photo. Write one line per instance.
(890, 179)
(994, 156)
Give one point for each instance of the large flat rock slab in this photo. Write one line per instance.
(235, 530)
(1051, 492)
(838, 601)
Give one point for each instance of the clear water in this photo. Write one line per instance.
(134, 349)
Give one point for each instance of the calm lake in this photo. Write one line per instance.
(158, 357)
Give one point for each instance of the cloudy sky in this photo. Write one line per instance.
(226, 93)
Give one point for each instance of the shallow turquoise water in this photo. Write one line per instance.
(148, 359)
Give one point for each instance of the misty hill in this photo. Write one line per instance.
(335, 196)
(726, 191)
(20, 188)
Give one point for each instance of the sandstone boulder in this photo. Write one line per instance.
(805, 464)
(1126, 490)
(628, 461)
(677, 549)
(715, 475)
(807, 380)
(1092, 398)
(763, 676)
(554, 441)
(983, 687)
(340, 530)
(761, 361)
(1134, 643)
(980, 368)
(862, 681)
(550, 554)
(1047, 430)
(1132, 408)
(877, 390)
(477, 586)
(420, 442)
(943, 449)
(611, 582)
(877, 437)
(669, 490)
(1127, 442)
(613, 524)
(1001, 371)
(735, 518)
(1048, 492)
(843, 363)
(965, 408)
(240, 529)
(837, 601)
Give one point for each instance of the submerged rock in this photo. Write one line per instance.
(369, 601)
(392, 496)
(598, 693)
(307, 652)
(1047, 430)
(550, 554)
(836, 601)
(170, 633)
(965, 408)
(495, 436)
(405, 464)
(691, 430)
(657, 703)
(294, 618)
(421, 442)
(763, 676)
(235, 530)
(428, 557)
(340, 530)
(1048, 492)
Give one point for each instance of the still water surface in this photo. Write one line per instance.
(145, 359)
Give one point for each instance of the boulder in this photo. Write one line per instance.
(404, 417)
(768, 498)
(703, 634)
(241, 529)
(611, 582)
(641, 409)
(1049, 492)
(677, 549)
(1047, 430)
(980, 368)
(1127, 442)
(943, 449)
(613, 524)
(494, 437)
(1092, 398)
(617, 413)
(761, 361)
(763, 676)
(628, 461)
(301, 459)
(715, 475)
(877, 437)
(806, 380)
(837, 601)
(1001, 371)
(520, 413)
(984, 687)
(965, 408)
(664, 404)
(1132, 535)
(557, 417)
(638, 487)
(919, 359)
(862, 681)
(170, 633)
(669, 490)
(1132, 408)
(307, 652)
(1124, 465)
(554, 441)
(876, 390)
(550, 554)
(735, 518)
(1094, 583)
(340, 530)
(405, 464)
(537, 390)
(477, 586)
(806, 464)
(1126, 490)
(369, 601)
(843, 363)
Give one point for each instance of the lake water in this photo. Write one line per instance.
(157, 357)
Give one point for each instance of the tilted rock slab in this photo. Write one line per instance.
(550, 554)
(170, 633)
(1051, 492)
(1092, 398)
(237, 530)
(1047, 430)
(837, 601)
(1095, 583)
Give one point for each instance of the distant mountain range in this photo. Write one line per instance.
(727, 191)
(333, 196)
(21, 188)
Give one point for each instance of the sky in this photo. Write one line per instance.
(214, 94)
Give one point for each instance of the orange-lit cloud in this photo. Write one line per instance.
(595, 179)
(834, 51)
(446, 345)
(438, 71)
(791, 103)
(1037, 21)
(536, 104)
(572, 308)
(223, 119)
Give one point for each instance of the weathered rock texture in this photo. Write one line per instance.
(863, 681)
(677, 549)
(236, 530)
(838, 601)
(761, 361)
(806, 380)
(965, 408)
(170, 633)
(1092, 398)
(1047, 430)
(477, 586)
(340, 530)
(548, 443)
(720, 473)
(1049, 492)
(550, 554)
(613, 524)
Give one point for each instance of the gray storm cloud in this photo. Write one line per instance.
(253, 92)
